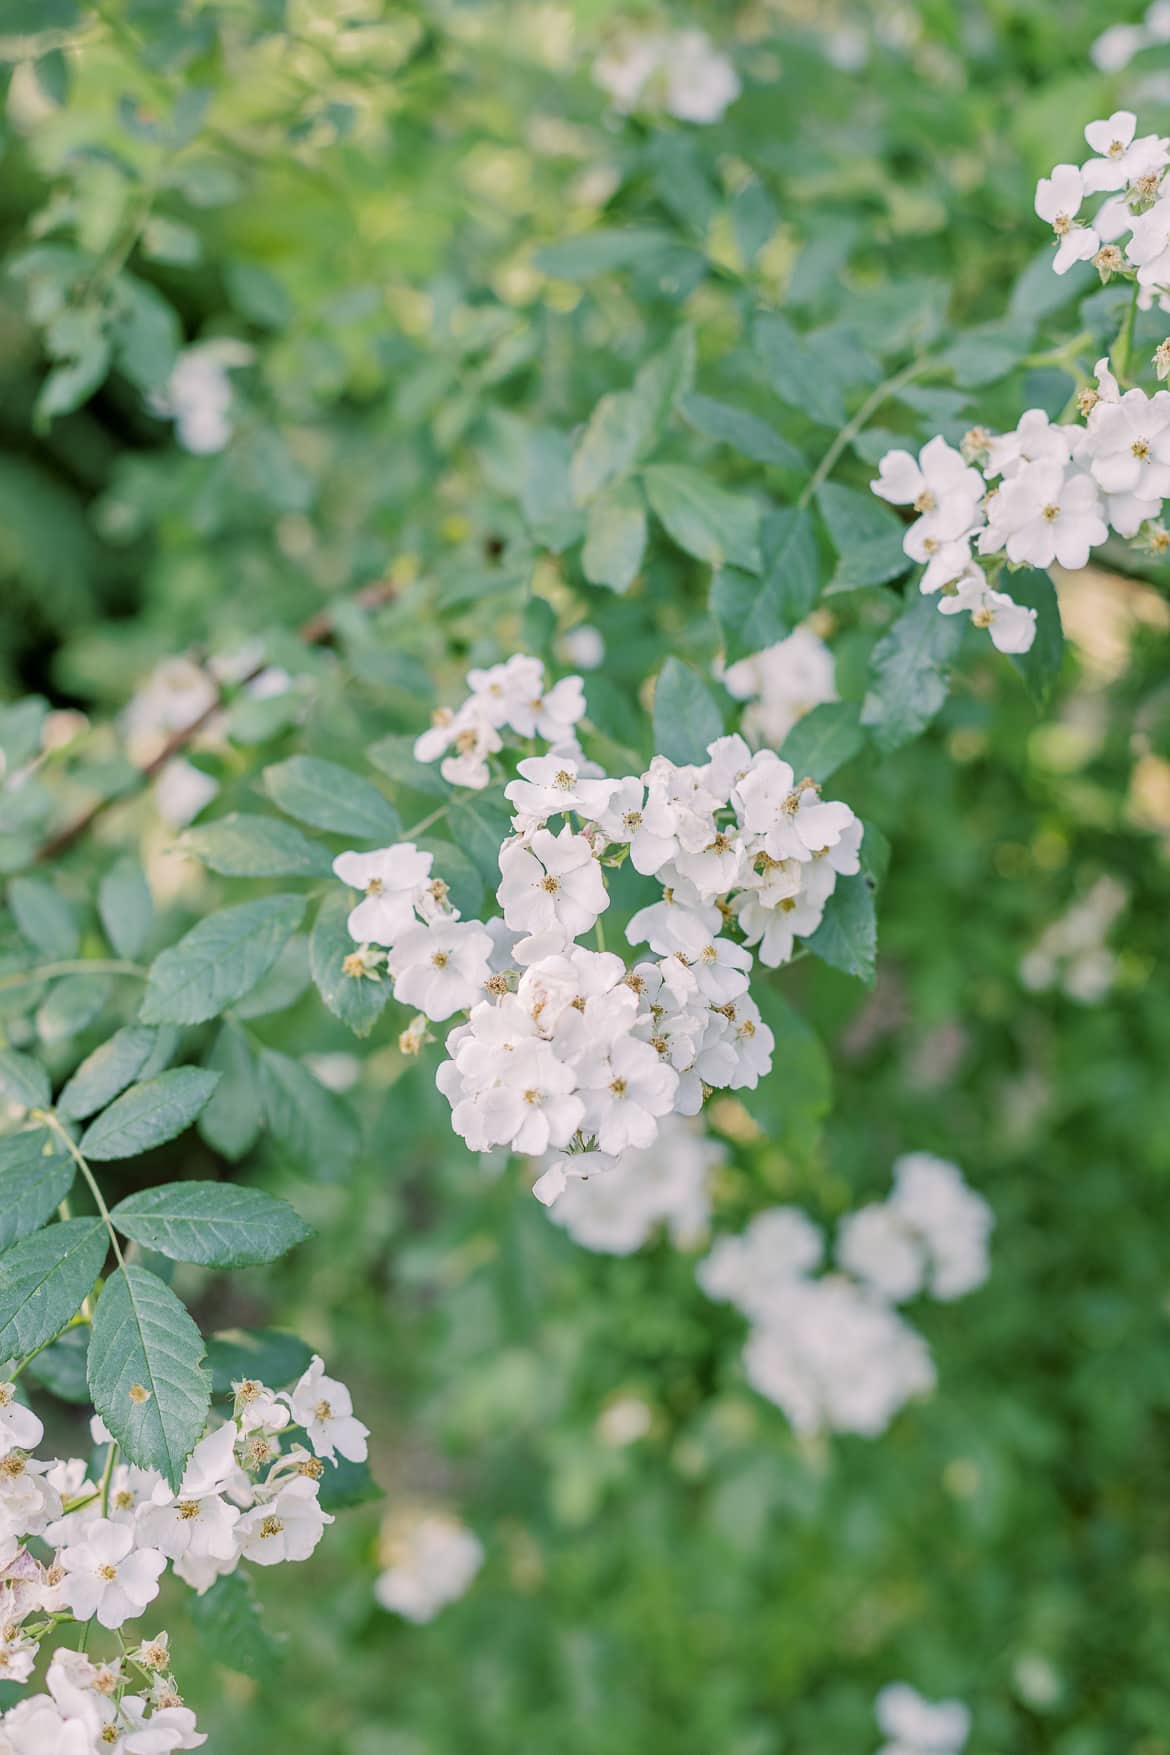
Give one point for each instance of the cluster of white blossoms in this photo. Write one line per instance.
(780, 685)
(1116, 47)
(574, 1050)
(1052, 491)
(831, 1349)
(77, 1550)
(916, 1726)
(665, 1185)
(429, 1560)
(1071, 953)
(198, 394)
(680, 72)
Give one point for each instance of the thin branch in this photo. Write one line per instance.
(858, 422)
(51, 1120)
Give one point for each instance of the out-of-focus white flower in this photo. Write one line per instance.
(681, 72)
(431, 1562)
(198, 393)
(781, 684)
(917, 1726)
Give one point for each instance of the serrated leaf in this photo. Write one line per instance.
(44, 917)
(44, 1280)
(61, 1367)
(328, 796)
(240, 845)
(799, 370)
(866, 535)
(744, 432)
(231, 1624)
(394, 757)
(108, 1070)
(23, 1080)
(702, 517)
(149, 1114)
(215, 1224)
(71, 1006)
(272, 1355)
(219, 960)
(231, 1120)
(313, 1127)
(1040, 664)
(146, 1372)
(611, 444)
(686, 715)
(846, 939)
(824, 739)
(35, 1176)
(358, 1000)
(125, 907)
(283, 985)
(615, 538)
(910, 673)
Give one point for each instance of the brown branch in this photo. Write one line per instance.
(317, 631)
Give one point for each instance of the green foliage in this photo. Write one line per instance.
(210, 1223)
(219, 960)
(44, 1280)
(149, 1114)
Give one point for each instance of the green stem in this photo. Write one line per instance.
(436, 816)
(858, 422)
(50, 1120)
(74, 966)
(1123, 347)
(107, 1477)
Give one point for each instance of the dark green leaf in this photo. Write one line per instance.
(108, 1070)
(847, 936)
(23, 1080)
(271, 1355)
(328, 796)
(219, 960)
(148, 1115)
(44, 1280)
(824, 739)
(358, 1000)
(35, 1176)
(866, 535)
(250, 846)
(146, 1372)
(44, 917)
(1040, 665)
(313, 1127)
(686, 715)
(215, 1224)
(231, 1120)
(910, 673)
(125, 907)
(744, 432)
(61, 1368)
(231, 1625)
(703, 518)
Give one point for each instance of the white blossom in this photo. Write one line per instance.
(324, 1407)
(108, 1576)
(432, 1562)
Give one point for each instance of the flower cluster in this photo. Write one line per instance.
(577, 1050)
(1071, 952)
(429, 1560)
(75, 1549)
(1129, 170)
(617, 1211)
(781, 684)
(832, 1351)
(506, 697)
(681, 72)
(916, 1726)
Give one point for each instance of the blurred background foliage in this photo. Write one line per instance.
(431, 242)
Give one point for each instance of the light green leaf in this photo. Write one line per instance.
(703, 518)
(213, 1223)
(358, 1000)
(1040, 664)
(125, 907)
(846, 939)
(665, 378)
(744, 432)
(240, 845)
(35, 1176)
(600, 252)
(232, 1120)
(148, 1115)
(44, 1280)
(108, 1070)
(44, 917)
(23, 1080)
(146, 1372)
(866, 535)
(611, 444)
(824, 740)
(282, 986)
(219, 960)
(313, 1127)
(800, 373)
(615, 538)
(328, 796)
(754, 613)
(71, 1006)
(686, 715)
(910, 673)
(394, 757)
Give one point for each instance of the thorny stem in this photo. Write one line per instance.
(50, 1120)
(858, 422)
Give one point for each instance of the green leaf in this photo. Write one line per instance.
(44, 917)
(230, 1623)
(71, 1006)
(269, 1354)
(910, 673)
(215, 1224)
(846, 939)
(61, 1368)
(600, 252)
(148, 1115)
(231, 1120)
(328, 796)
(824, 740)
(283, 985)
(250, 846)
(793, 1108)
(611, 444)
(703, 518)
(394, 757)
(219, 960)
(358, 1000)
(755, 613)
(1040, 664)
(125, 907)
(665, 378)
(44, 1280)
(480, 824)
(744, 432)
(615, 538)
(801, 373)
(23, 1080)
(546, 497)
(459, 872)
(146, 1372)
(313, 1127)
(686, 715)
(348, 1485)
(35, 1176)
(866, 535)
(105, 1072)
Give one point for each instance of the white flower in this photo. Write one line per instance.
(19, 1427)
(1122, 159)
(918, 1726)
(875, 1245)
(700, 82)
(287, 1527)
(552, 786)
(626, 1091)
(953, 1222)
(617, 1212)
(1035, 440)
(107, 1576)
(441, 969)
(1012, 625)
(1149, 247)
(561, 1166)
(779, 1245)
(781, 684)
(1128, 448)
(1043, 515)
(198, 393)
(1058, 200)
(433, 1562)
(392, 878)
(168, 1728)
(324, 1407)
(791, 820)
(36, 1727)
(552, 883)
(196, 1520)
(942, 488)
